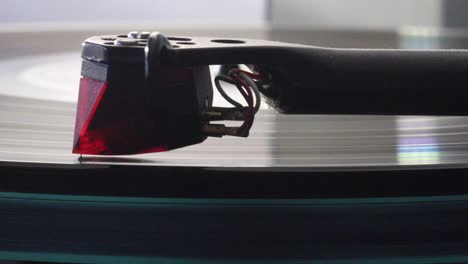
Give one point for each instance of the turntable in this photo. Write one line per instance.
(299, 188)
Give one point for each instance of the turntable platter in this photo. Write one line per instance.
(299, 188)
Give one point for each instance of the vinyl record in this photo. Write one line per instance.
(38, 95)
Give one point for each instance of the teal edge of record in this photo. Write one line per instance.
(157, 202)
(73, 258)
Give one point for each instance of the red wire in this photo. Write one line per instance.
(251, 75)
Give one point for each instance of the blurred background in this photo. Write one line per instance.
(34, 30)
(357, 23)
